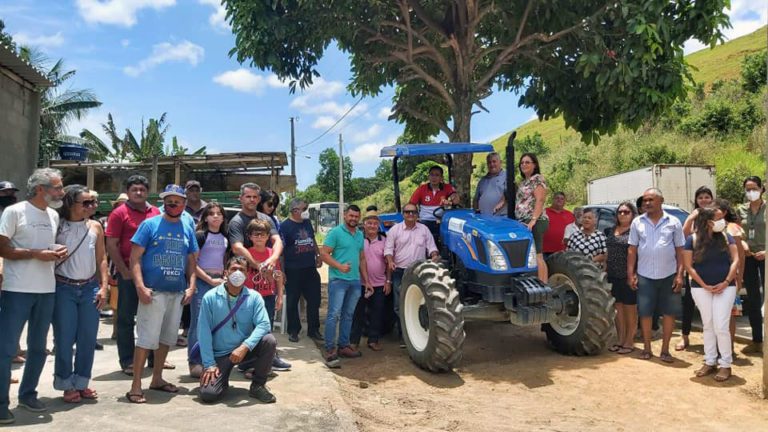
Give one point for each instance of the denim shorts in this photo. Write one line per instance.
(656, 295)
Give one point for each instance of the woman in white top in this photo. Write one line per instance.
(81, 290)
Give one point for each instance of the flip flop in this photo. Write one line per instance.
(169, 366)
(723, 374)
(128, 371)
(666, 358)
(625, 350)
(681, 346)
(645, 355)
(614, 348)
(167, 388)
(89, 393)
(137, 398)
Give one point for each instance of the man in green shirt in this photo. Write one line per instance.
(343, 252)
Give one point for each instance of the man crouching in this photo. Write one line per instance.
(227, 339)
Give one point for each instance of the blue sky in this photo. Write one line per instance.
(146, 57)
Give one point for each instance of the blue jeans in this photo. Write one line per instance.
(197, 300)
(75, 321)
(16, 309)
(342, 301)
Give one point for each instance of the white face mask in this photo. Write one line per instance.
(753, 195)
(236, 278)
(305, 214)
(719, 225)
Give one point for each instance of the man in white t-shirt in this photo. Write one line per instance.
(27, 244)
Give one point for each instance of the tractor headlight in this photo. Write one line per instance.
(532, 256)
(495, 256)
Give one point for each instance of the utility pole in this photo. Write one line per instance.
(341, 182)
(293, 151)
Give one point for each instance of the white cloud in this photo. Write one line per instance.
(320, 90)
(117, 12)
(384, 113)
(370, 151)
(40, 41)
(218, 19)
(165, 52)
(323, 122)
(246, 81)
(125, 42)
(371, 133)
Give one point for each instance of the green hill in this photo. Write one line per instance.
(569, 163)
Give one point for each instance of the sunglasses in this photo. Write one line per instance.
(88, 203)
(409, 212)
(624, 212)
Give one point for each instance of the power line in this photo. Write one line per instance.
(333, 125)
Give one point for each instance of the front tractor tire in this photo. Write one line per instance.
(585, 326)
(431, 317)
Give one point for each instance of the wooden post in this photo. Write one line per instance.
(153, 180)
(177, 172)
(89, 178)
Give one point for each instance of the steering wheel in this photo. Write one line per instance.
(440, 211)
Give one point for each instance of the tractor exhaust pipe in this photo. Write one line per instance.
(510, 167)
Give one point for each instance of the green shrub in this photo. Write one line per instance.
(729, 183)
(754, 71)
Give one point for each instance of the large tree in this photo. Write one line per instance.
(596, 63)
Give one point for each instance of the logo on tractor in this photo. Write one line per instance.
(512, 235)
(456, 225)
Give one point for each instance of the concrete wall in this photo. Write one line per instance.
(19, 130)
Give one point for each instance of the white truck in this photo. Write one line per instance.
(677, 182)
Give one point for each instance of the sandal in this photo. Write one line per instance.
(625, 350)
(614, 348)
(137, 398)
(666, 358)
(645, 355)
(89, 393)
(128, 370)
(682, 345)
(169, 366)
(167, 388)
(705, 370)
(723, 374)
(72, 396)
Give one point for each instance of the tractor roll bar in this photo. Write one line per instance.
(511, 189)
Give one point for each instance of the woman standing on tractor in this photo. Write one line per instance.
(529, 207)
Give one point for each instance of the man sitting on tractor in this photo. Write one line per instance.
(431, 195)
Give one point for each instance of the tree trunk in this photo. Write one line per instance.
(462, 163)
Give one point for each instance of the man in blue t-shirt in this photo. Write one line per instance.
(163, 269)
(302, 279)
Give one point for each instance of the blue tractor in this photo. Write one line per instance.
(489, 272)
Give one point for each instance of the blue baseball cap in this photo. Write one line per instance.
(173, 190)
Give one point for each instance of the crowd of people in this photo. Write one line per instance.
(61, 265)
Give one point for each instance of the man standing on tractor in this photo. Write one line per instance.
(407, 242)
(491, 189)
(431, 195)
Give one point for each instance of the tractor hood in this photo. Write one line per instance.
(467, 234)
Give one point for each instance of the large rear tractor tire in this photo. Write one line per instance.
(431, 318)
(585, 326)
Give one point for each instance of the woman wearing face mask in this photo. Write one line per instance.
(81, 290)
(702, 198)
(711, 259)
(752, 216)
(301, 277)
(213, 243)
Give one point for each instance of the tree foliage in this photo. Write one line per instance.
(5, 38)
(596, 63)
(151, 142)
(327, 180)
(59, 104)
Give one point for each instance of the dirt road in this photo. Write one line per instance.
(509, 380)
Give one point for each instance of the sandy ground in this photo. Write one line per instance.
(510, 380)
